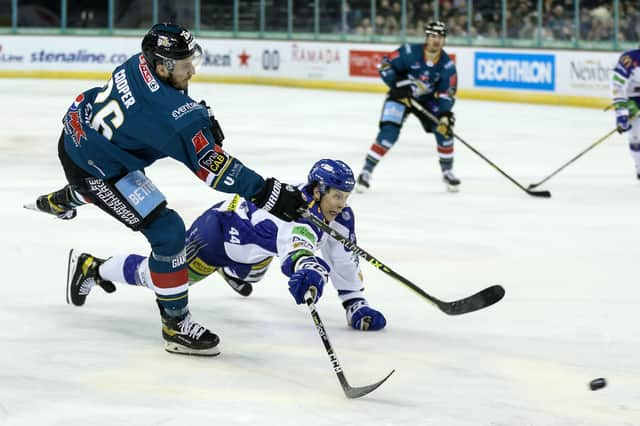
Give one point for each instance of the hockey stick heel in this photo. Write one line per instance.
(349, 391)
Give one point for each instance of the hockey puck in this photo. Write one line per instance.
(598, 383)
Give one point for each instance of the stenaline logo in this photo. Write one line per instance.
(515, 71)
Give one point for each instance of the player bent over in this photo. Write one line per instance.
(626, 100)
(427, 74)
(239, 241)
(112, 133)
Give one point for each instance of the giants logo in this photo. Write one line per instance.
(72, 123)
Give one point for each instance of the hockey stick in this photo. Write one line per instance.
(480, 300)
(415, 105)
(589, 148)
(349, 391)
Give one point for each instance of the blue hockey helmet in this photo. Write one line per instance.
(331, 174)
(436, 28)
(167, 43)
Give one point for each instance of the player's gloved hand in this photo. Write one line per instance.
(409, 88)
(362, 317)
(445, 124)
(280, 199)
(622, 122)
(311, 274)
(214, 124)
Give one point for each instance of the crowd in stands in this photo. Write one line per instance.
(558, 22)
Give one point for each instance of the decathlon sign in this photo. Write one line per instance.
(515, 71)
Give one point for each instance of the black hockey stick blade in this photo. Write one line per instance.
(480, 300)
(543, 194)
(357, 392)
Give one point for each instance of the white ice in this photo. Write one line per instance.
(568, 264)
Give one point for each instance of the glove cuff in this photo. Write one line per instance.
(314, 263)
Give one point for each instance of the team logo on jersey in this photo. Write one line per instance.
(626, 61)
(72, 122)
(146, 74)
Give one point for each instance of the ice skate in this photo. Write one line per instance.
(451, 181)
(82, 275)
(50, 204)
(186, 337)
(363, 181)
(241, 287)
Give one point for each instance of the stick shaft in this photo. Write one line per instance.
(423, 111)
(589, 148)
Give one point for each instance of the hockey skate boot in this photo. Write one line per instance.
(241, 287)
(363, 181)
(82, 275)
(186, 337)
(451, 181)
(59, 204)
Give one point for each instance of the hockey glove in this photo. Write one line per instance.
(445, 124)
(408, 89)
(622, 122)
(280, 199)
(311, 274)
(362, 317)
(214, 125)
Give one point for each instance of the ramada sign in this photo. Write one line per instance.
(364, 63)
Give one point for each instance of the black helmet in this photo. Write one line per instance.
(436, 28)
(167, 43)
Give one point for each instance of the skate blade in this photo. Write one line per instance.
(176, 348)
(31, 206)
(71, 266)
(453, 188)
(361, 189)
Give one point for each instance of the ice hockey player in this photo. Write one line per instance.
(426, 73)
(626, 100)
(112, 133)
(239, 241)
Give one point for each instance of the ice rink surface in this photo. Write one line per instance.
(569, 265)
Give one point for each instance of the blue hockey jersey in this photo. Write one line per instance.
(440, 78)
(136, 119)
